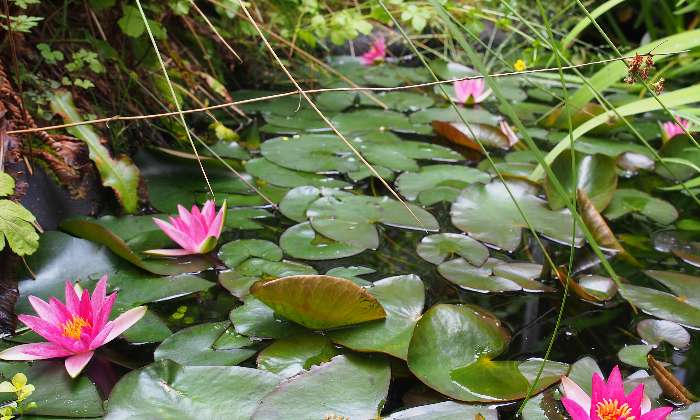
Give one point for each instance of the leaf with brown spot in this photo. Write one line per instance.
(491, 137)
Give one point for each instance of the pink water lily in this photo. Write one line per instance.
(674, 128)
(74, 329)
(377, 52)
(608, 400)
(471, 91)
(196, 232)
(507, 130)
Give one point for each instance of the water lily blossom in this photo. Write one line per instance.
(608, 400)
(74, 329)
(377, 52)
(197, 232)
(674, 128)
(471, 91)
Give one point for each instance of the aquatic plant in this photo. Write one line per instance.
(197, 232)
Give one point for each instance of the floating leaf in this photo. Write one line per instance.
(439, 247)
(239, 280)
(654, 331)
(318, 393)
(446, 410)
(402, 297)
(193, 346)
(494, 276)
(290, 356)
(601, 288)
(300, 241)
(489, 136)
(119, 174)
(283, 177)
(311, 153)
(635, 355)
(449, 114)
(451, 336)
(488, 214)
(244, 218)
(449, 179)
(167, 390)
(319, 302)
(679, 147)
(235, 252)
(626, 201)
(255, 319)
(492, 380)
(401, 101)
(374, 119)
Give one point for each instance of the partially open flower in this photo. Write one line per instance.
(74, 329)
(197, 232)
(507, 130)
(672, 129)
(376, 53)
(471, 91)
(608, 400)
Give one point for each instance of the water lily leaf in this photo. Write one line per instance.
(551, 373)
(451, 336)
(654, 331)
(244, 218)
(494, 276)
(612, 148)
(230, 339)
(239, 280)
(635, 355)
(290, 356)
(226, 149)
(235, 252)
(352, 273)
(626, 201)
(439, 247)
(402, 156)
(600, 287)
(336, 101)
(285, 105)
(56, 393)
(446, 410)
(376, 119)
(449, 178)
(318, 393)
(302, 120)
(311, 153)
(283, 177)
(679, 147)
(297, 200)
(401, 101)
(255, 319)
(543, 407)
(301, 241)
(150, 329)
(490, 137)
(492, 380)
(488, 214)
(402, 297)
(193, 346)
(129, 235)
(121, 175)
(449, 114)
(319, 302)
(167, 390)
(594, 174)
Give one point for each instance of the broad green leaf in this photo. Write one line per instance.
(301, 241)
(626, 201)
(7, 184)
(451, 178)
(635, 355)
(17, 228)
(290, 356)
(255, 319)
(131, 22)
(234, 253)
(662, 305)
(654, 331)
(447, 410)
(119, 174)
(319, 302)
(492, 380)
(439, 247)
(494, 276)
(239, 280)
(277, 175)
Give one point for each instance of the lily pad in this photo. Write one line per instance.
(402, 297)
(235, 252)
(447, 410)
(311, 153)
(128, 236)
(244, 218)
(290, 356)
(167, 390)
(594, 174)
(283, 177)
(449, 114)
(352, 273)
(255, 319)
(319, 394)
(403, 156)
(301, 241)
(402, 101)
(626, 201)
(452, 336)
(375, 119)
(678, 147)
(600, 287)
(439, 247)
(635, 355)
(470, 136)
(488, 214)
(492, 380)
(654, 331)
(319, 302)
(239, 280)
(302, 120)
(450, 179)
(494, 276)
(193, 346)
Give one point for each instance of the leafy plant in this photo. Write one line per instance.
(17, 224)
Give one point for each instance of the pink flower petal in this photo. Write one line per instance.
(209, 211)
(76, 363)
(646, 404)
(99, 296)
(101, 317)
(34, 351)
(217, 224)
(45, 329)
(598, 389)
(184, 214)
(45, 311)
(657, 414)
(575, 411)
(634, 400)
(125, 321)
(85, 310)
(168, 252)
(616, 390)
(60, 309)
(72, 299)
(176, 235)
(574, 392)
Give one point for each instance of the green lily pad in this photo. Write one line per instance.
(654, 331)
(56, 393)
(446, 410)
(403, 156)
(451, 336)
(167, 390)
(449, 178)
(311, 153)
(678, 147)
(663, 305)
(439, 247)
(283, 177)
(302, 120)
(193, 346)
(239, 280)
(470, 136)
(352, 273)
(297, 201)
(488, 214)
(602, 288)
(230, 339)
(626, 201)
(635, 355)
(470, 115)
(244, 218)
(402, 297)
(335, 101)
(255, 319)
(494, 276)
(544, 407)
(235, 252)
(492, 380)
(318, 393)
(290, 356)
(319, 302)
(376, 119)
(594, 174)
(402, 101)
(301, 241)
(612, 148)
(150, 329)
(130, 235)
(226, 149)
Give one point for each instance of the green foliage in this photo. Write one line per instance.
(17, 224)
(51, 57)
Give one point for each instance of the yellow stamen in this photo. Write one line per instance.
(73, 327)
(611, 410)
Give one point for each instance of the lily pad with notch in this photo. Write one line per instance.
(301, 241)
(449, 179)
(290, 356)
(437, 248)
(494, 276)
(277, 175)
(239, 280)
